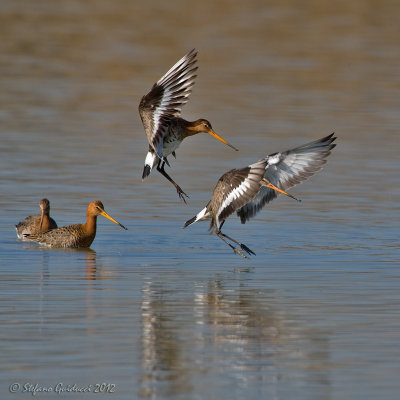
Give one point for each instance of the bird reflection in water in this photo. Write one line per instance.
(164, 369)
(91, 265)
(187, 332)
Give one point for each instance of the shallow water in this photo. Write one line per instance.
(166, 313)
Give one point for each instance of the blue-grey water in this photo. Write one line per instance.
(158, 312)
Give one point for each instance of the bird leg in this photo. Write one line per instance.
(223, 237)
(181, 193)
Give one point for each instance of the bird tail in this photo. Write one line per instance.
(190, 222)
(146, 171)
(149, 163)
(203, 214)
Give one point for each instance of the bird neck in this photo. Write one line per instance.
(45, 222)
(90, 226)
(191, 128)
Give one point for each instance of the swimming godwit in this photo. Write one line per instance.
(160, 110)
(37, 223)
(77, 235)
(248, 190)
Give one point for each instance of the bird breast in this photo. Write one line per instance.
(171, 142)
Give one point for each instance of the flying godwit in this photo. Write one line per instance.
(160, 110)
(77, 235)
(37, 223)
(248, 190)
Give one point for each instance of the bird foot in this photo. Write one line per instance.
(237, 251)
(245, 248)
(181, 194)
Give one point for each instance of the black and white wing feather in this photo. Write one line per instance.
(235, 189)
(288, 169)
(166, 98)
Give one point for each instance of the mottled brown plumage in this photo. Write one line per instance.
(77, 235)
(36, 223)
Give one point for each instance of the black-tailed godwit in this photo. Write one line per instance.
(160, 111)
(37, 223)
(77, 235)
(248, 190)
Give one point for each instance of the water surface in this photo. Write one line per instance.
(165, 313)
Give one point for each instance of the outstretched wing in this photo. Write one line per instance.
(288, 169)
(166, 98)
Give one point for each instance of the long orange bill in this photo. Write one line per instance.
(271, 186)
(212, 133)
(104, 214)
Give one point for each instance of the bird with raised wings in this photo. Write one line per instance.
(160, 111)
(248, 190)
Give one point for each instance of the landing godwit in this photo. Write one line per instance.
(160, 110)
(248, 190)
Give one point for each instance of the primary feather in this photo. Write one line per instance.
(287, 169)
